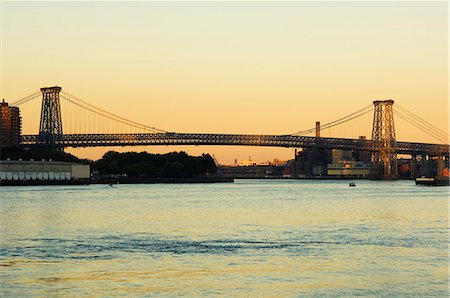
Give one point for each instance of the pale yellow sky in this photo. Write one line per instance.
(236, 67)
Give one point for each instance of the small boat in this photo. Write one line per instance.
(352, 184)
(424, 180)
(110, 184)
(433, 181)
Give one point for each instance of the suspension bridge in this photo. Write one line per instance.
(383, 145)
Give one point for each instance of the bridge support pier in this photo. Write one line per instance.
(440, 165)
(50, 129)
(426, 166)
(413, 167)
(383, 132)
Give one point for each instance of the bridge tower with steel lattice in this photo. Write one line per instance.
(383, 132)
(50, 129)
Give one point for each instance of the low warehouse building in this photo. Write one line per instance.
(18, 170)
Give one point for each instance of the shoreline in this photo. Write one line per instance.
(113, 181)
(163, 180)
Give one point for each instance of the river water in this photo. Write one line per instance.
(257, 238)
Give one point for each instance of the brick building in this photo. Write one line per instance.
(10, 125)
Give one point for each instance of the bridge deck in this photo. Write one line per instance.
(99, 140)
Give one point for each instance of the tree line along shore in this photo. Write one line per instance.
(132, 166)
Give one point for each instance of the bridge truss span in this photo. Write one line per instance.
(287, 141)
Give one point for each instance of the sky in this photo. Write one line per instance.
(230, 67)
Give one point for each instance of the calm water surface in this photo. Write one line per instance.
(251, 238)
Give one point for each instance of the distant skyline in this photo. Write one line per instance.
(229, 67)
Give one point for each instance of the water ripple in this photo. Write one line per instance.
(113, 246)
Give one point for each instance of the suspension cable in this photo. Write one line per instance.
(351, 118)
(437, 137)
(111, 116)
(433, 134)
(26, 99)
(339, 121)
(429, 132)
(106, 115)
(424, 122)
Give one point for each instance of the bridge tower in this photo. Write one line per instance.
(383, 132)
(50, 129)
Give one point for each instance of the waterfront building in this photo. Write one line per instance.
(349, 169)
(19, 170)
(252, 171)
(10, 125)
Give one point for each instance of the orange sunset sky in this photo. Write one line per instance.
(230, 67)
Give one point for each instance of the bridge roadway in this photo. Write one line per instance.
(146, 139)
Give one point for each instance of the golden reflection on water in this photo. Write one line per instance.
(243, 239)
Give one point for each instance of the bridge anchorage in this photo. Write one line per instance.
(50, 129)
